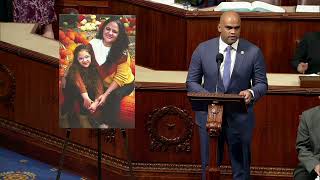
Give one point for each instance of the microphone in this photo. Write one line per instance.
(219, 59)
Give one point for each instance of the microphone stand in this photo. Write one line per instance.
(63, 153)
(99, 153)
(219, 59)
(218, 73)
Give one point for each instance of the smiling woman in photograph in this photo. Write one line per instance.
(113, 63)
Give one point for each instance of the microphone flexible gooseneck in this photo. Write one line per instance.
(219, 59)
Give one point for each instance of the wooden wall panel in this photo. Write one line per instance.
(165, 40)
(160, 37)
(166, 37)
(275, 132)
(146, 103)
(83, 6)
(200, 30)
(36, 100)
(277, 38)
(272, 32)
(273, 151)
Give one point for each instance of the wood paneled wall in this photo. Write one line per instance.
(170, 35)
(166, 38)
(165, 142)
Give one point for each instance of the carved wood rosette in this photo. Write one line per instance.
(7, 85)
(170, 127)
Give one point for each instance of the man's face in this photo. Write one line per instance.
(229, 28)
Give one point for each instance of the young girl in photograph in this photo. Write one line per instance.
(83, 87)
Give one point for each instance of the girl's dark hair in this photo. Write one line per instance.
(90, 75)
(121, 44)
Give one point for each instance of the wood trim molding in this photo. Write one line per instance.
(293, 90)
(263, 171)
(122, 166)
(160, 86)
(272, 90)
(212, 14)
(157, 6)
(256, 15)
(57, 142)
(32, 55)
(251, 15)
(70, 3)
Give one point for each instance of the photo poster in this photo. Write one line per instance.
(97, 71)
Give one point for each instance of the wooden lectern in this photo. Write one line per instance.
(213, 103)
(309, 81)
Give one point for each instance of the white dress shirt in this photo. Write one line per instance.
(222, 50)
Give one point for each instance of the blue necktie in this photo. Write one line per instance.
(226, 70)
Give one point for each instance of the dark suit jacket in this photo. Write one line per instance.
(308, 51)
(308, 140)
(249, 65)
(210, 3)
(6, 11)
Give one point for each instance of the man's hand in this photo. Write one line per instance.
(317, 169)
(302, 67)
(247, 95)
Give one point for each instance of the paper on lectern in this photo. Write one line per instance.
(256, 6)
(307, 8)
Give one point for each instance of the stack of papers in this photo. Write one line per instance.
(312, 74)
(307, 8)
(256, 6)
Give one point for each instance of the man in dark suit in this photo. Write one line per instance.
(308, 145)
(307, 57)
(242, 72)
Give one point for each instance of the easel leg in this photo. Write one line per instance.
(124, 134)
(63, 152)
(99, 154)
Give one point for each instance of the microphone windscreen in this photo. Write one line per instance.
(219, 58)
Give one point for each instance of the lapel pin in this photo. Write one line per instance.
(242, 52)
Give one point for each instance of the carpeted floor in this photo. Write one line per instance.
(15, 166)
